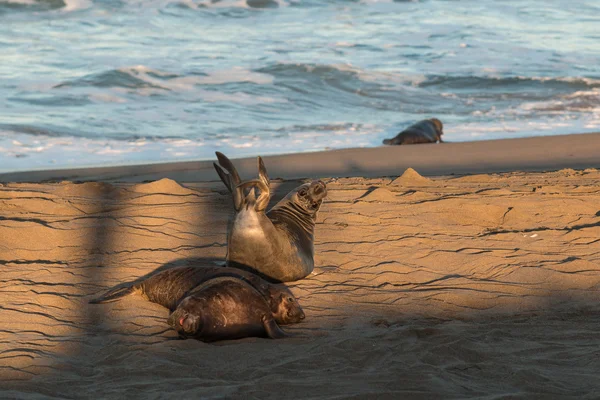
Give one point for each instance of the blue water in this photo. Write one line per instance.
(87, 82)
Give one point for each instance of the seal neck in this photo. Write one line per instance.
(290, 213)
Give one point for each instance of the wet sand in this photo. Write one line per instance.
(543, 153)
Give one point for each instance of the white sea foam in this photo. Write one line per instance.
(375, 1)
(192, 4)
(585, 100)
(344, 44)
(238, 97)
(16, 149)
(235, 74)
(161, 80)
(106, 98)
(216, 4)
(189, 3)
(510, 129)
(568, 79)
(397, 78)
(76, 5)
(24, 2)
(184, 83)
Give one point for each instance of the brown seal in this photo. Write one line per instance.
(168, 287)
(224, 308)
(279, 244)
(426, 131)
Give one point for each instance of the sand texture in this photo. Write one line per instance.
(480, 286)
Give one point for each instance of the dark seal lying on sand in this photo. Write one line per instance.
(426, 131)
(170, 286)
(224, 308)
(278, 244)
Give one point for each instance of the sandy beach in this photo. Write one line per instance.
(459, 270)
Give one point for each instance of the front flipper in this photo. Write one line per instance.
(273, 330)
(114, 295)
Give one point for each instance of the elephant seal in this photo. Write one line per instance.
(168, 287)
(426, 131)
(224, 308)
(278, 244)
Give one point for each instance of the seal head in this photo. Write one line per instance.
(285, 308)
(306, 198)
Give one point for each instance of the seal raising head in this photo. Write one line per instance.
(306, 198)
(279, 243)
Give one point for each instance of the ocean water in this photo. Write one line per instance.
(86, 82)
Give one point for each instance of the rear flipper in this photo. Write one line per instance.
(229, 167)
(273, 330)
(263, 200)
(113, 295)
(265, 194)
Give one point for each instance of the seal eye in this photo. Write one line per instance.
(291, 299)
(302, 192)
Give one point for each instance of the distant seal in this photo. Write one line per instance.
(224, 308)
(279, 244)
(426, 131)
(170, 286)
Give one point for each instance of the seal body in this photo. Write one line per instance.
(279, 244)
(224, 308)
(170, 286)
(426, 131)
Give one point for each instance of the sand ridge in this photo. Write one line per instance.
(447, 287)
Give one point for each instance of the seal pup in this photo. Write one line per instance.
(224, 308)
(426, 131)
(168, 287)
(278, 244)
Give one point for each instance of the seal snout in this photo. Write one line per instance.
(189, 323)
(319, 186)
(295, 314)
(184, 323)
